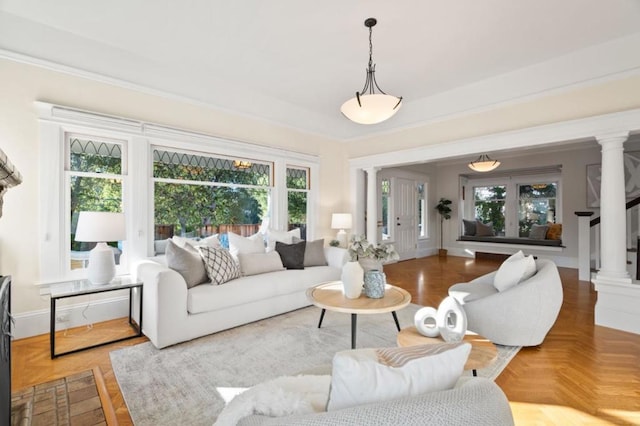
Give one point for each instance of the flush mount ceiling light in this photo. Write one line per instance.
(484, 164)
(369, 107)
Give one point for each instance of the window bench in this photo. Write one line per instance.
(512, 240)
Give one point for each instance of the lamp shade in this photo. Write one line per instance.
(341, 221)
(372, 109)
(100, 227)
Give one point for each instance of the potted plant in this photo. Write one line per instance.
(371, 257)
(444, 209)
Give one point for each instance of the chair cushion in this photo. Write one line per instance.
(484, 229)
(514, 270)
(364, 376)
(538, 232)
(554, 232)
(469, 227)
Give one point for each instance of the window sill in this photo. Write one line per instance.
(513, 242)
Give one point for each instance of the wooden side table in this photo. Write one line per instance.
(329, 296)
(483, 352)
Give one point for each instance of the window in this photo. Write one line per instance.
(489, 206)
(385, 187)
(422, 211)
(536, 205)
(297, 198)
(95, 171)
(199, 194)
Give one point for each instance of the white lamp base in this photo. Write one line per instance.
(102, 265)
(342, 238)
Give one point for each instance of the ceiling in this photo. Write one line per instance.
(295, 62)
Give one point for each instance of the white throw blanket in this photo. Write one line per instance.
(279, 397)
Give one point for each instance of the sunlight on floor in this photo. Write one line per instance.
(229, 393)
(541, 414)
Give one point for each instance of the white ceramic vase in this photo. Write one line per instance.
(352, 280)
(426, 321)
(452, 320)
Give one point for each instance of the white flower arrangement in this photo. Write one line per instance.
(360, 248)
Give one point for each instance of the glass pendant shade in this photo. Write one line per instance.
(372, 109)
(484, 164)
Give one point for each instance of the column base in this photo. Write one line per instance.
(618, 304)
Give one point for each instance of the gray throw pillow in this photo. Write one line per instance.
(259, 263)
(186, 263)
(484, 229)
(292, 255)
(469, 227)
(313, 252)
(538, 232)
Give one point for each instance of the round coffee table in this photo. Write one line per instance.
(329, 296)
(483, 352)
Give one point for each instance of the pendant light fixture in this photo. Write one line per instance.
(484, 164)
(369, 107)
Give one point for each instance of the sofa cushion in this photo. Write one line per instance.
(245, 245)
(282, 236)
(484, 229)
(514, 270)
(469, 227)
(259, 263)
(554, 232)
(538, 232)
(220, 265)
(211, 241)
(364, 376)
(292, 255)
(187, 263)
(257, 288)
(313, 252)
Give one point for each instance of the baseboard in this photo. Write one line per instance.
(34, 323)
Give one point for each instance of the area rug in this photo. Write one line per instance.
(80, 399)
(190, 382)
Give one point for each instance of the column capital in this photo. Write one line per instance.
(612, 137)
(372, 169)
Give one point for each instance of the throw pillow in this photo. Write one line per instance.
(538, 232)
(186, 263)
(292, 255)
(220, 265)
(245, 245)
(554, 232)
(259, 263)
(514, 270)
(313, 253)
(282, 236)
(484, 229)
(469, 227)
(364, 376)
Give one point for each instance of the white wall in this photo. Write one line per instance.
(23, 84)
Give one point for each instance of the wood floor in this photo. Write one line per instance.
(581, 374)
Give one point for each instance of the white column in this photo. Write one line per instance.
(372, 205)
(584, 245)
(357, 200)
(613, 218)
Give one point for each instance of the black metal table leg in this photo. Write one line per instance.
(321, 317)
(52, 328)
(354, 323)
(395, 318)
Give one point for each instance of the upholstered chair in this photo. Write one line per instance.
(521, 315)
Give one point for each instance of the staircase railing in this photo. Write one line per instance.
(633, 238)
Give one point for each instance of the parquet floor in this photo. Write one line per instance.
(581, 375)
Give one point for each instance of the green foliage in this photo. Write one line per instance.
(490, 206)
(444, 209)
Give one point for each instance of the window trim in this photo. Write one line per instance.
(55, 121)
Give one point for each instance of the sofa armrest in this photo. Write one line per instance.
(164, 302)
(336, 256)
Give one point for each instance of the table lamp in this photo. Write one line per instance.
(101, 227)
(341, 221)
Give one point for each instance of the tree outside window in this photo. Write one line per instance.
(489, 203)
(536, 205)
(297, 198)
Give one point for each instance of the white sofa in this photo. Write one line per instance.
(173, 314)
(474, 401)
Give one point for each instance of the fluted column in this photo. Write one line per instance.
(613, 219)
(372, 204)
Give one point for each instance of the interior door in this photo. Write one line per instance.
(406, 216)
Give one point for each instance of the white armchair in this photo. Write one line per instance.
(519, 316)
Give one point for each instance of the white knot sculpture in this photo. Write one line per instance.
(449, 321)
